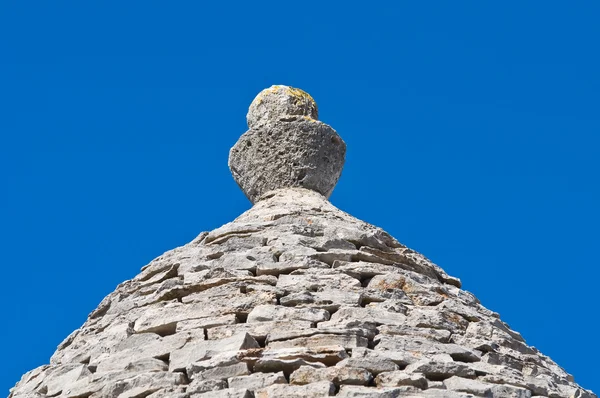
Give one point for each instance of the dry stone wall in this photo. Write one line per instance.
(295, 298)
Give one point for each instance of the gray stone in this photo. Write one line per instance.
(288, 360)
(401, 378)
(336, 375)
(222, 372)
(163, 318)
(461, 384)
(423, 292)
(434, 318)
(374, 365)
(83, 347)
(348, 326)
(221, 366)
(260, 330)
(434, 370)
(400, 358)
(256, 381)
(201, 385)
(265, 313)
(382, 392)
(234, 302)
(330, 300)
(439, 393)
(226, 393)
(364, 270)
(284, 150)
(441, 335)
(314, 279)
(197, 350)
(170, 392)
(284, 266)
(375, 316)
(147, 365)
(63, 377)
(137, 349)
(31, 381)
(319, 340)
(112, 386)
(436, 384)
(287, 366)
(312, 390)
(425, 347)
(506, 391)
(285, 334)
(280, 102)
(206, 323)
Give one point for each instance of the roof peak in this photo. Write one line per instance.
(286, 146)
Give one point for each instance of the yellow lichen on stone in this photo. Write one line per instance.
(302, 98)
(301, 95)
(270, 90)
(280, 102)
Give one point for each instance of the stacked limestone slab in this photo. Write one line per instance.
(295, 298)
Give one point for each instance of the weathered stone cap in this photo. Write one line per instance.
(279, 103)
(286, 146)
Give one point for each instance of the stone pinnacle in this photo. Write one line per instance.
(286, 146)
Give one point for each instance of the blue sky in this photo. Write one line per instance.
(472, 133)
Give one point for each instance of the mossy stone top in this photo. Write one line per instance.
(279, 103)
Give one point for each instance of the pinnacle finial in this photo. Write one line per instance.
(280, 102)
(286, 146)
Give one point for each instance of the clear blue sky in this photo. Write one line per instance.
(472, 132)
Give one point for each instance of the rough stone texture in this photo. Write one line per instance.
(286, 146)
(338, 376)
(294, 298)
(401, 378)
(278, 103)
(313, 390)
(236, 327)
(257, 380)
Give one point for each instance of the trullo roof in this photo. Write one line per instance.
(294, 298)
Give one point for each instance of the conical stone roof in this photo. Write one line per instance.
(294, 298)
